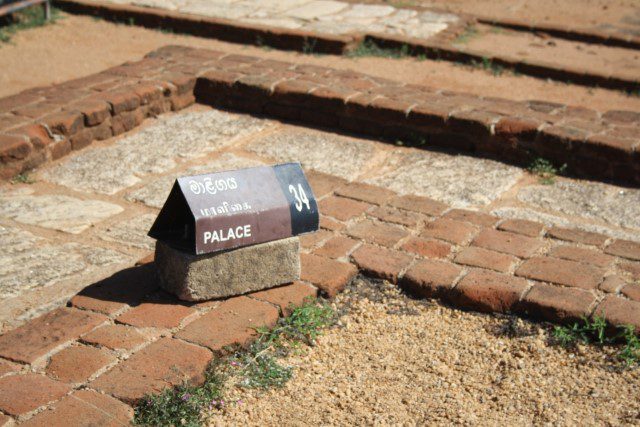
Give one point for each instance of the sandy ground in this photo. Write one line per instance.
(396, 361)
(77, 46)
(618, 16)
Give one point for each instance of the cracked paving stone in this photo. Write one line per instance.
(57, 212)
(155, 149)
(27, 261)
(332, 154)
(460, 181)
(155, 193)
(131, 232)
(603, 202)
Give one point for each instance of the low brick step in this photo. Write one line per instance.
(293, 39)
(43, 124)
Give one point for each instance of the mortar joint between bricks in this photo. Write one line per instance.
(348, 98)
(409, 109)
(272, 88)
(463, 273)
(526, 291)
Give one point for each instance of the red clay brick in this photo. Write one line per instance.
(419, 204)
(632, 268)
(447, 229)
(94, 111)
(382, 263)
(124, 288)
(575, 235)
(379, 233)
(632, 291)
(510, 243)
(342, 208)
(121, 100)
(563, 272)
(336, 247)
(479, 257)
(477, 218)
(323, 184)
(620, 311)
(516, 128)
(430, 279)
(162, 364)
(288, 297)
(76, 364)
(115, 337)
(39, 336)
(147, 259)
(13, 147)
(20, 394)
(84, 407)
(625, 249)
(7, 367)
(588, 256)
(159, 314)
(428, 248)
(232, 322)
(557, 304)
(328, 275)
(612, 284)
(330, 223)
(396, 216)
(36, 133)
(365, 193)
(486, 291)
(311, 240)
(65, 122)
(522, 226)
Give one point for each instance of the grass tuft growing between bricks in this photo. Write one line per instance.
(545, 170)
(370, 48)
(29, 17)
(595, 331)
(22, 178)
(255, 367)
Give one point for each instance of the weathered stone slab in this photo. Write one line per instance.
(154, 149)
(460, 181)
(224, 274)
(58, 212)
(607, 203)
(131, 232)
(156, 192)
(322, 151)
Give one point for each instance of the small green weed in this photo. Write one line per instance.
(22, 178)
(487, 64)
(594, 331)
(183, 405)
(469, 33)
(545, 170)
(370, 48)
(261, 43)
(29, 17)
(309, 46)
(256, 367)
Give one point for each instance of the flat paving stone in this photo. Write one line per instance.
(325, 152)
(132, 232)
(554, 220)
(57, 212)
(607, 203)
(155, 193)
(460, 181)
(28, 262)
(155, 149)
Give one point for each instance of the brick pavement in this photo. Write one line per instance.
(129, 338)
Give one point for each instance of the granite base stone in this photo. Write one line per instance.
(224, 274)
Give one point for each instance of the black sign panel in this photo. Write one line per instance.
(225, 210)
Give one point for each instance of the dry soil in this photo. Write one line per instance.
(397, 361)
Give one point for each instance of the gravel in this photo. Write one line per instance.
(394, 360)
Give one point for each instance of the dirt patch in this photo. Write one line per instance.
(77, 46)
(399, 361)
(618, 16)
(562, 54)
